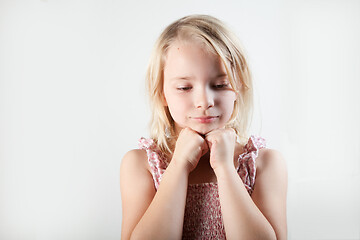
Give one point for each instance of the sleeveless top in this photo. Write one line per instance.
(203, 218)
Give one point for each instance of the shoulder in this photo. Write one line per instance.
(270, 159)
(135, 177)
(271, 168)
(134, 156)
(270, 191)
(134, 162)
(136, 187)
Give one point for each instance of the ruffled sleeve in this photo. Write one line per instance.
(157, 162)
(247, 169)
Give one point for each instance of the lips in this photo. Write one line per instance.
(205, 119)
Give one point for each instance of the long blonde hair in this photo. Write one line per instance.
(218, 39)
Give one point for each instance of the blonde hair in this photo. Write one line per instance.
(217, 39)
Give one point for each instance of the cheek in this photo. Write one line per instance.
(228, 100)
(229, 110)
(228, 103)
(177, 106)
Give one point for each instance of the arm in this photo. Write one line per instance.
(271, 190)
(148, 214)
(262, 216)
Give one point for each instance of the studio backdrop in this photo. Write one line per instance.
(73, 102)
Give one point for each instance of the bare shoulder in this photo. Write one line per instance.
(270, 159)
(270, 191)
(137, 189)
(135, 159)
(136, 156)
(135, 169)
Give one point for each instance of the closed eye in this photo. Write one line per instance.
(221, 86)
(183, 88)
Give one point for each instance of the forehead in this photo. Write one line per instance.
(194, 58)
(194, 42)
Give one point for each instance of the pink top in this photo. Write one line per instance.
(203, 218)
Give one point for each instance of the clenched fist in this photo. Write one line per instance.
(189, 148)
(221, 143)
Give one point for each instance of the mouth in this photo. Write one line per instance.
(205, 119)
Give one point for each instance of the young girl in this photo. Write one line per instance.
(200, 176)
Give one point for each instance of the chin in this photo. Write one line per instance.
(203, 130)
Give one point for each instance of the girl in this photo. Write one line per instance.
(200, 176)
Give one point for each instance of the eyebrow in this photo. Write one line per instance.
(182, 78)
(188, 78)
(221, 75)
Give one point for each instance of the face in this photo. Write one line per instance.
(197, 90)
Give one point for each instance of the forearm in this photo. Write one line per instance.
(164, 217)
(242, 218)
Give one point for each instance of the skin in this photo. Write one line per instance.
(198, 80)
(200, 100)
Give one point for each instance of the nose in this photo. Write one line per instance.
(204, 98)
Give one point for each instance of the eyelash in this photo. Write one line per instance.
(220, 86)
(183, 88)
(217, 86)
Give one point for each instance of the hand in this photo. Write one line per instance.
(222, 146)
(189, 148)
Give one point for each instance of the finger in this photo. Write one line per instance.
(209, 134)
(205, 148)
(209, 142)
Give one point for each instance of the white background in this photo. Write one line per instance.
(72, 103)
